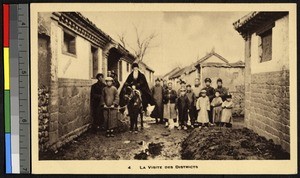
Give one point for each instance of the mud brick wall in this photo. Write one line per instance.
(44, 116)
(74, 108)
(270, 107)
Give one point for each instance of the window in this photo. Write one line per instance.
(265, 46)
(69, 43)
(120, 70)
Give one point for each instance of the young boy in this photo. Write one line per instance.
(216, 104)
(227, 106)
(182, 107)
(192, 99)
(169, 100)
(203, 107)
(210, 92)
(110, 100)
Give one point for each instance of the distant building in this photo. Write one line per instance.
(267, 96)
(71, 51)
(215, 66)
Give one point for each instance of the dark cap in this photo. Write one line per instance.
(135, 65)
(207, 80)
(188, 85)
(182, 82)
(157, 79)
(219, 80)
(99, 75)
(228, 96)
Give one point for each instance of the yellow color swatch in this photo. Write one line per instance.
(6, 69)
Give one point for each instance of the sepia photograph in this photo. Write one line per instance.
(162, 85)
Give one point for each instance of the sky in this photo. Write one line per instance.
(182, 37)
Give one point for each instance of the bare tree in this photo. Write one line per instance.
(122, 39)
(143, 44)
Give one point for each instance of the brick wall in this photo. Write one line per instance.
(269, 106)
(74, 108)
(238, 99)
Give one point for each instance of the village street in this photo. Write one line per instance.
(157, 142)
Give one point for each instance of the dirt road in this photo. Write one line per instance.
(157, 142)
(123, 146)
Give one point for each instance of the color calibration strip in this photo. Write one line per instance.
(16, 88)
(8, 161)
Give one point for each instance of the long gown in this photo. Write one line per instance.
(203, 105)
(157, 93)
(227, 112)
(217, 109)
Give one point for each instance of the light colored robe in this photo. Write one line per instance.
(227, 112)
(203, 105)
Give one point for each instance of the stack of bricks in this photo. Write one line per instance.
(270, 107)
(43, 114)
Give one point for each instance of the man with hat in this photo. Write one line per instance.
(96, 94)
(157, 94)
(210, 92)
(138, 79)
(222, 90)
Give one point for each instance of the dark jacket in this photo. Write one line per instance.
(222, 91)
(210, 92)
(182, 104)
(169, 96)
(96, 93)
(142, 85)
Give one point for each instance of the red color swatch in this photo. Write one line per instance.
(5, 25)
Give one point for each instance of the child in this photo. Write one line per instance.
(169, 99)
(216, 104)
(182, 106)
(227, 106)
(203, 107)
(192, 98)
(110, 99)
(135, 107)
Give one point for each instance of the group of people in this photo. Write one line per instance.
(192, 105)
(106, 100)
(189, 106)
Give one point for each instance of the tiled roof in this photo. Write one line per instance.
(210, 55)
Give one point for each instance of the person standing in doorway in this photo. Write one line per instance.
(210, 92)
(116, 82)
(96, 94)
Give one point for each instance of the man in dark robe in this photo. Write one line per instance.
(96, 95)
(210, 92)
(157, 94)
(139, 80)
(222, 90)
